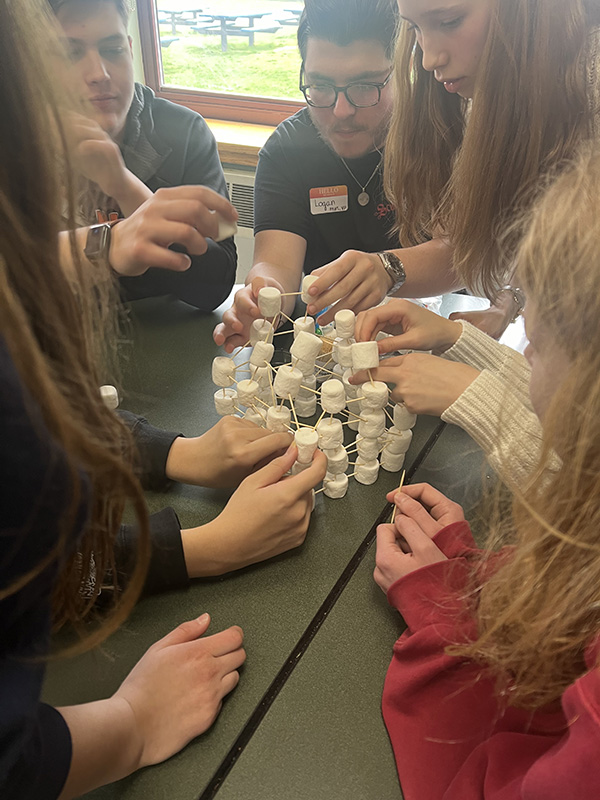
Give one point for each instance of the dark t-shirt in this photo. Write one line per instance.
(294, 163)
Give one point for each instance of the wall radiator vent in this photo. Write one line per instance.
(241, 192)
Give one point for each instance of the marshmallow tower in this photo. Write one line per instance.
(397, 439)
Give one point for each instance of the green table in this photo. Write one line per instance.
(304, 721)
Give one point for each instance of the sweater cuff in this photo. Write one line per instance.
(476, 348)
(479, 408)
(432, 594)
(455, 540)
(153, 446)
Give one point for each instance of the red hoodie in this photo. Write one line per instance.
(450, 737)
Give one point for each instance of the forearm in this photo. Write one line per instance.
(130, 193)
(105, 744)
(67, 256)
(429, 269)
(288, 277)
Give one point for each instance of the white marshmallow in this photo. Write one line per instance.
(333, 396)
(331, 433)
(338, 373)
(344, 323)
(287, 381)
(278, 418)
(266, 395)
(247, 391)
(337, 460)
(261, 376)
(335, 486)
(307, 282)
(353, 426)
(306, 407)
(371, 424)
(110, 396)
(255, 416)
(306, 346)
(397, 442)
(403, 419)
(307, 368)
(351, 389)
(306, 440)
(225, 401)
(368, 449)
(344, 352)
(269, 301)
(226, 229)
(366, 472)
(307, 384)
(365, 355)
(261, 331)
(374, 395)
(299, 467)
(262, 354)
(223, 371)
(392, 462)
(304, 324)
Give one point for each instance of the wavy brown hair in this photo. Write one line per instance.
(51, 323)
(529, 112)
(541, 609)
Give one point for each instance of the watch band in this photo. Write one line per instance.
(97, 245)
(518, 298)
(394, 268)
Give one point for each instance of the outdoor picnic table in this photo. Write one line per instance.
(228, 28)
(176, 10)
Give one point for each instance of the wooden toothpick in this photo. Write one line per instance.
(398, 489)
(294, 410)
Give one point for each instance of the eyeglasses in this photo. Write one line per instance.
(325, 95)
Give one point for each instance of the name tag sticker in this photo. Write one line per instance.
(328, 200)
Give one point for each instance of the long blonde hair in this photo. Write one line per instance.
(51, 323)
(541, 609)
(529, 111)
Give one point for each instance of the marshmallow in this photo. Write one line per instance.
(278, 418)
(397, 442)
(344, 352)
(392, 462)
(261, 376)
(306, 346)
(338, 372)
(226, 229)
(353, 426)
(307, 368)
(307, 282)
(335, 486)
(351, 389)
(365, 355)
(262, 354)
(287, 381)
(307, 384)
(306, 407)
(337, 460)
(331, 433)
(299, 467)
(110, 396)
(403, 419)
(304, 324)
(306, 440)
(261, 331)
(374, 395)
(225, 401)
(255, 416)
(344, 323)
(269, 301)
(371, 424)
(368, 449)
(247, 391)
(333, 396)
(223, 371)
(366, 472)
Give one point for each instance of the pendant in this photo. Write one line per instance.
(363, 199)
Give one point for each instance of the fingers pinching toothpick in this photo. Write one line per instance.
(398, 489)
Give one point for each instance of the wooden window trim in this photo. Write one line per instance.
(238, 108)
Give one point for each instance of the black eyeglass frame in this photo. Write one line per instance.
(337, 89)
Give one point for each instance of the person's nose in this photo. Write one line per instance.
(435, 57)
(94, 68)
(343, 108)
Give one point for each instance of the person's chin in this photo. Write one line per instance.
(353, 145)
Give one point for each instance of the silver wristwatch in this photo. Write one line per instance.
(394, 268)
(518, 298)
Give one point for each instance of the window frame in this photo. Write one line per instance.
(216, 105)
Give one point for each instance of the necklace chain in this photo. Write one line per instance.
(363, 197)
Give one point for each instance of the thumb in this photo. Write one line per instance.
(187, 631)
(275, 470)
(258, 284)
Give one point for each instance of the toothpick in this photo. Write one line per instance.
(271, 383)
(294, 410)
(308, 389)
(240, 347)
(291, 294)
(352, 421)
(320, 418)
(282, 333)
(370, 377)
(289, 319)
(355, 399)
(398, 489)
(388, 415)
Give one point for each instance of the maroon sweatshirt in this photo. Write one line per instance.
(452, 739)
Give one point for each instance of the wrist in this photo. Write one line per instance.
(513, 302)
(452, 333)
(185, 460)
(205, 551)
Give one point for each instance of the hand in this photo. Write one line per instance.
(176, 690)
(266, 516)
(412, 328)
(224, 455)
(427, 506)
(493, 321)
(95, 155)
(354, 280)
(181, 215)
(406, 545)
(425, 384)
(234, 330)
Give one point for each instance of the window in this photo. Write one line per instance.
(227, 59)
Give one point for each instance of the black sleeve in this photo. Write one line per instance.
(167, 569)
(153, 446)
(211, 276)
